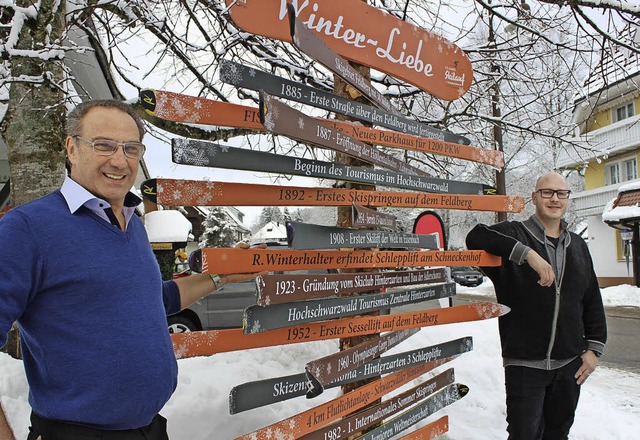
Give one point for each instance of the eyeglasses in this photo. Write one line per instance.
(548, 193)
(108, 147)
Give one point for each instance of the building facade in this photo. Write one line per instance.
(607, 152)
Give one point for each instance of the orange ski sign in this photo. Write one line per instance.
(211, 193)
(366, 35)
(234, 260)
(210, 342)
(431, 431)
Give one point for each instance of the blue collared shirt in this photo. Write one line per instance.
(76, 196)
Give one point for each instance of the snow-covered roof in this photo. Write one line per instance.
(615, 79)
(272, 231)
(614, 82)
(616, 64)
(625, 208)
(167, 226)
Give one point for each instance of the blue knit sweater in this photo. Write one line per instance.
(92, 309)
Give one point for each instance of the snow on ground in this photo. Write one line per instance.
(624, 295)
(609, 407)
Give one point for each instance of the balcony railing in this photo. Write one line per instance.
(593, 201)
(612, 139)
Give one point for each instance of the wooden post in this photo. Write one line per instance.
(342, 88)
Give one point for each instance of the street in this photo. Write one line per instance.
(623, 341)
(623, 324)
(623, 345)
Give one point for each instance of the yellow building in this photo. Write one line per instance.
(607, 152)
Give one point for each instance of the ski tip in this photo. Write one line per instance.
(488, 310)
(148, 100)
(149, 190)
(463, 390)
(195, 261)
(292, 19)
(314, 387)
(232, 401)
(464, 140)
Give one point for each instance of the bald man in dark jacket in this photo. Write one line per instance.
(556, 330)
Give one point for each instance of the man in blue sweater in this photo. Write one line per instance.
(87, 292)
(556, 329)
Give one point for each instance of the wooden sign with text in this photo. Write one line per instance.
(334, 367)
(366, 35)
(308, 236)
(210, 193)
(430, 431)
(190, 344)
(390, 363)
(190, 109)
(194, 110)
(234, 260)
(209, 154)
(362, 217)
(278, 289)
(329, 368)
(279, 118)
(258, 319)
(407, 141)
(308, 42)
(239, 75)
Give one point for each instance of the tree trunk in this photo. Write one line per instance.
(33, 128)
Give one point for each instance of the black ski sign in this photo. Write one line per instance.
(309, 43)
(257, 319)
(209, 154)
(394, 362)
(242, 76)
(308, 236)
(259, 393)
(362, 217)
(281, 119)
(278, 289)
(329, 368)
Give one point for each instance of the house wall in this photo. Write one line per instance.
(609, 270)
(594, 174)
(605, 117)
(599, 120)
